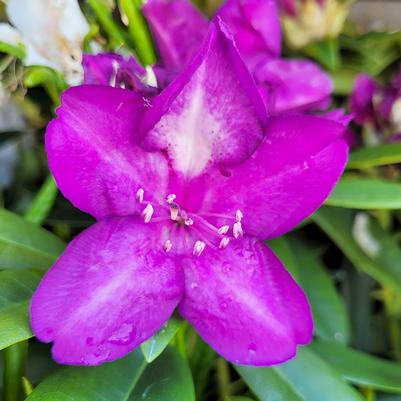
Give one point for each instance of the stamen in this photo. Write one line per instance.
(168, 245)
(189, 222)
(174, 211)
(224, 230)
(148, 213)
(199, 247)
(237, 230)
(113, 78)
(238, 216)
(170, 198)
(224, 242)
(139, 195)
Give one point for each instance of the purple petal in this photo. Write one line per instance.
(361, 101)
(212, 112)
(112, 69)
(111, 289)
(295, 85)
(255, 25)
(179, 29)
(286, 179)
(341, 117)
(245, 304)
(93, 155)
(98, 69)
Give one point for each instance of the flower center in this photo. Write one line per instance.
(197, 224)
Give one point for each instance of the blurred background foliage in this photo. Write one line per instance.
(347, 256)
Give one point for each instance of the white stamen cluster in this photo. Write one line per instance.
(180, 216)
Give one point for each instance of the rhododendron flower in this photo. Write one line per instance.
(377, 105)
(53, 34)
(184, 190)
(285, 85)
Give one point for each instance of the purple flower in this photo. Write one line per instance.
(114, 70)
(285, 85)
(377, 105)
(185, 187)
(361, 100)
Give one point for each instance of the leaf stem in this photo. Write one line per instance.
(15, 358)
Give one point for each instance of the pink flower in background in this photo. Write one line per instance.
(185, 187)
(285, 85)
(377, 105)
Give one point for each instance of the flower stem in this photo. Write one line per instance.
(15, 358)
(138, 30)
(103, 14)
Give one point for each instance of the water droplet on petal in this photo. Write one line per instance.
(252, 348)
(194, 285)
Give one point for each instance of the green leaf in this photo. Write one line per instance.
(382, 263)
(305, 378)
(153, 347)
(24, 245)
(109, 382)
(360, 368)
(362, 193)
(329, 312)
(380, 155)
(239, 399)
(16, 288)
(138, 30)
(167, 378)
(43, 202)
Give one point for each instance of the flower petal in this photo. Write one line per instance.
(179, 29)
(93, 155)
(111, 289)
(361, 100)
(255, 25)
(295, 85)
(245, 304)
(286, 179)
(212, 112)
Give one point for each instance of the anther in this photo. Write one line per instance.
(168, 245)
(148, 213)
(170, 198)
(199, 247)
(224, 230)
(189, 222)
(139, 195)
(238, 216)
(224, 242)
(237, 230)
(174, 211)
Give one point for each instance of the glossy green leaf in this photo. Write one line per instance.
(153, 347)
(362, 193)
(239, 398)
(43, 202)
(24, 245)
(305, 378)
(380, 155)
(360, 368)
(109, 382)
(329, 312)
(16, 288)
(382, 263)
(167, 378)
